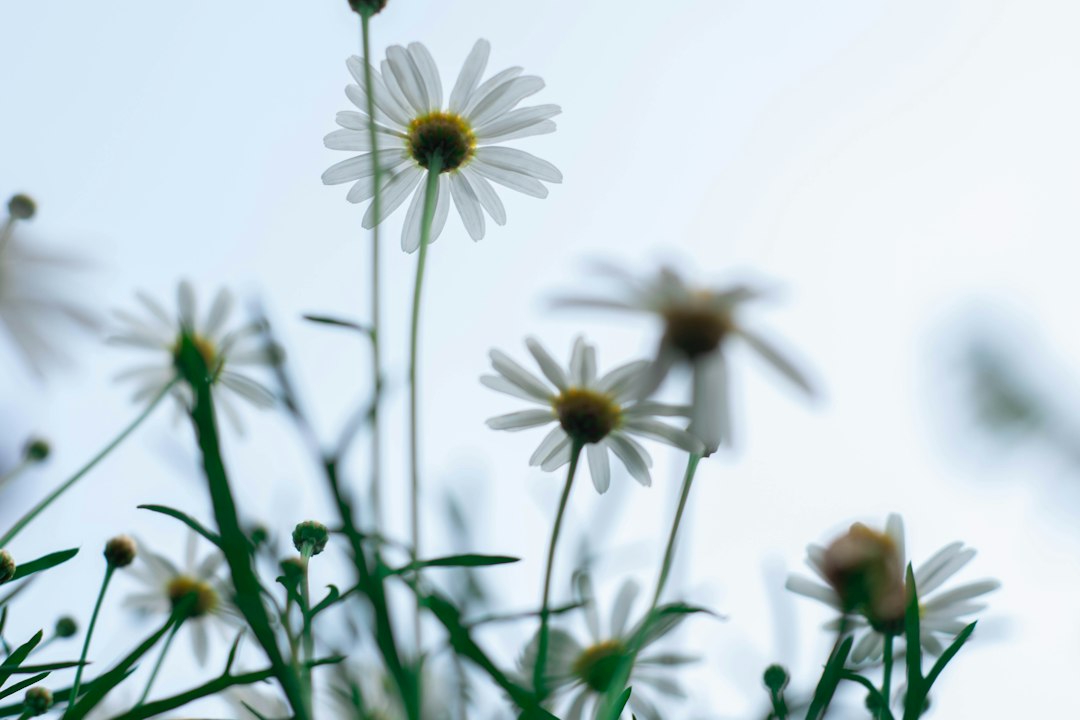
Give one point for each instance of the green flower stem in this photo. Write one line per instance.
(51, 498)
(886, 680)
(161, 659)
(626, 666)
(376, 354)
(431, 188)
(308, 639)
(109, 569)
(545, 602)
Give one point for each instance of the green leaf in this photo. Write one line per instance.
(339, 322)
(873, 691)
(47, 667)
(455, 561)
(913, 652)
(187, 520)
(44, 563)
(331, 597)
(948, 655)
(22, 684)
(830, 678)
(16, 658)
(623, 699)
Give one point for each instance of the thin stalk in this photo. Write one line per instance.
(376, 353)
(15, 472)
(308, 639)
(886, 680)
(109, 569)
(431, 189)
(545, 602)
(160, 661)
(66, 485)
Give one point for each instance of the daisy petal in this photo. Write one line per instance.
(657, 430)
(521, 420)
(519, 161)
(470, 75)
(468, 205)
(599, 467)
(547, 364)
(624, 448)
(515, 373)
(487, 196)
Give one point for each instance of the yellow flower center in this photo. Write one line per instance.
(597, 664)
(203, 598)
(206, 348)
(586, 415)
(695, 328)
(442, 134)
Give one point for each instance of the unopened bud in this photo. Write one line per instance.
(37, 449)
(776, 678)
(66, 627)
(7, 566)
(38, 700)
(367, 7)
(864, 568)
(22, 207)
(120, 551)
(312, 535)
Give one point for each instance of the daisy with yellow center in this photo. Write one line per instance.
(414, 131)
(699, 325)
(221, 348)
(589, 669)
(196, 586)
(600, 413)
(943, 614)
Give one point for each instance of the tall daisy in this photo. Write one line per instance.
(223, 349)
(34, 308)
(198, 582)
(601, 413)
(587, 670)
(414, 127)
(699, 325)
(942, 614)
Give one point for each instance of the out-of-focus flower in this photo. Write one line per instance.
(587, 671)
(361, 689)
(197, 584)
(601, 413)
(256, 702)
(414, 128)
(221, 349)
(34, 304)
(941, 613)
(699, 324)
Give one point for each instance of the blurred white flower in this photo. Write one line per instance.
(941, 613)
(34, 305)
(260, 701)
(588, 670)
(361, 689)
(413, 128)
(602, 413)
(222, 349)
(165, 586)
(698, 324)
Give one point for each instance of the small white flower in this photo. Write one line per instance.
(590, 669)
(198, 583)
(602, 413)
(413, 127)
(33, 305)
(941, 613)
(222, 349)
(698, 324)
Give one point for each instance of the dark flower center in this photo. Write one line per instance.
(441, 134)
(596, 665)
(696, 329)
(203, 598)
(586, 415)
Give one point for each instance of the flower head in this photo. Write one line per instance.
(197, 588)
(589, 669)
(415, 129)
(7, 566)
(38, 700)
(698, 324)
(221, 349)
(851, 583)
(34, 304)
(598, 413)
(120, 551)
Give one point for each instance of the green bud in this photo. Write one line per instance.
(293, 568)
(367, 7)
(120, 551)
(66, 627)
(37, 449)
(7, 566)
(38, 700)
(22, 207)
(312, 535)
(776, 678)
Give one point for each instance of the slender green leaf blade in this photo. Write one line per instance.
(187, 520)
(44, 563)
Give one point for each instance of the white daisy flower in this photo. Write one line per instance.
(603, 413)
(165, 586)
(33, 308)
(587, 670)
(413, 127)
(222, 349)
(942, 614)
(698, 324)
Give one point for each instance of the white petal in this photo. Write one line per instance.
(247, 388)
(599, 467)
(467, 204)
(155, 308)
(657, 409)
(710, 419)
(515, 373)
(544, 127)
(628, 452)
(414, 218)
(429, 73)
(521, 420)
(360, 140)
(393, 194)
(622, 382)
(486, 87)
(514, 181)
(929, 573)
(621, 609)
(219, 313)
(408, 78)
(504, 97)
(547, 364)
(519, 161)
(393, 87)
(185, 298)
(516, 120)
(869, 645)
(551, 441)
(557, 457)
(470, 75)
(894, 528)
(959, 594)
(361, 166)
(501, 384)
(577, 361)
(664, 433)
(487, 196)
(809, 588)
(777, 360)
(384, 101)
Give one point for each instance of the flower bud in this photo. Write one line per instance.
(38, 700)
(367, 7)
(865, 569)
(312, 535)
(7, 566)
(775, 678)
(293, 568)
(22, 207)
(36, 449)
(66, 627)
(120, 551)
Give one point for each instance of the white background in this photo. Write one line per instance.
(897, 169)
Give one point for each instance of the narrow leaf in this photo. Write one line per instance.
(187, 520)
(22, 684)
(44, 563)
(458, 561)
(16, 658)
(830, 678)
(339, 322)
